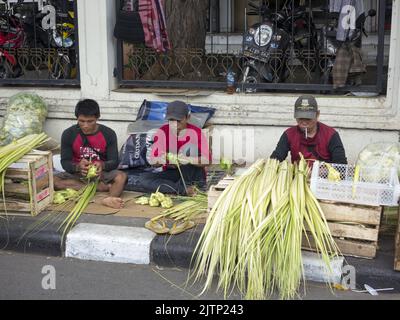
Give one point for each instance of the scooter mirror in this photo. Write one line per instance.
(372, 13)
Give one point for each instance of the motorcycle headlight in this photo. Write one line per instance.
(330, 48)
(263, 35)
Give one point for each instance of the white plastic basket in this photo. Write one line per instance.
(375, 187)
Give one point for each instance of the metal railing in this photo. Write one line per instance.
(39, 43)
(305, 63)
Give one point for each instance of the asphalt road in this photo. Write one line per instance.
(22, 276)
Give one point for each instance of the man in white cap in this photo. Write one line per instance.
(313, 139)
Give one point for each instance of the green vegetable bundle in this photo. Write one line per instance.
(25, 115)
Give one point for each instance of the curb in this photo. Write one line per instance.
(137, 245)
(45, 241)
(175, 251)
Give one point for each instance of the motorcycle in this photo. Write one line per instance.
(330, 45)
(269, 46)
(60, 39)
(12, 37)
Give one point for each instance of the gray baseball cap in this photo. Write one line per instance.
(177, 110)
(306, 107)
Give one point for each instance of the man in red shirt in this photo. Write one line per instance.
(184, 141)
(89, 142)
(313, 139)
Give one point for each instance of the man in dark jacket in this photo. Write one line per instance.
(313, 139)
(89, 143)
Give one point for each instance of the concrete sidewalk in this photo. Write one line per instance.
(125, 240)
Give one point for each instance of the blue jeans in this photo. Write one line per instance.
(168, 181)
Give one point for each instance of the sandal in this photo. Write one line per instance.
(155, 226)
(179, 228)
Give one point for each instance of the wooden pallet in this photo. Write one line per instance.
(22, 197)
(216, 190)
(355, 228)
(397, 247)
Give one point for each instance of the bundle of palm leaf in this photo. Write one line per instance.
(252, 238)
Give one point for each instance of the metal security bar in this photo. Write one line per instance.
(39, 43)
(285, 45)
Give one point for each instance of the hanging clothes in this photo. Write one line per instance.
(154, 24)
(349, 10)
(348, 63)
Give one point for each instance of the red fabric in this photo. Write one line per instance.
(319, 143)
(154, 25)
(193, 140)
(97, 146)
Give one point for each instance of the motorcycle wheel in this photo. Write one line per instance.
(61, 68)
(326, 76)
(3, 72)
(7, 72)
(252, 78)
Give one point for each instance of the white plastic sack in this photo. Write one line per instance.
(382, 157)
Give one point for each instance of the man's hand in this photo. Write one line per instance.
(99, 166)
(83, 167)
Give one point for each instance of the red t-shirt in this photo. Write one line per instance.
(97, 146)
(190, 143)
(100, 146)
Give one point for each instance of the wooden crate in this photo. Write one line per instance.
(216, 190)
(397, 247)
(36, 167)
(355, 228)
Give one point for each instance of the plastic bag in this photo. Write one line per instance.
(156, 111)
(136, 150)
(380, 158)
(25, 114)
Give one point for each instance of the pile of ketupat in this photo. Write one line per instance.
(81, 199)
(156, 199)
(253, 236)
(68, 200)
(190, 208)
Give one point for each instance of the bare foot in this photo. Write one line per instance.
(113, 202)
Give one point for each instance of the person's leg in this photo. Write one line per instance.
(165, 181)
(115, 181)
(66, 180)
(118, 184)
(103, 187)
(170, 181)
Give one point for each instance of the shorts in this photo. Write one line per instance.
(106, 177)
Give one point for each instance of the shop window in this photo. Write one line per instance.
(38, 42)
(284, 45)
